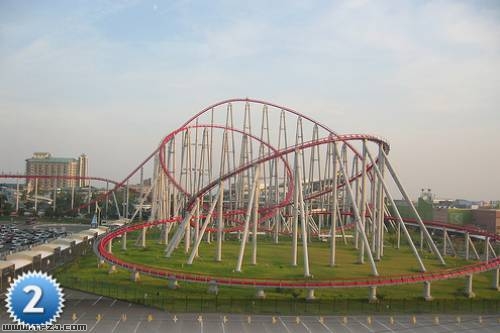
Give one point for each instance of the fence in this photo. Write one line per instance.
(283, 306)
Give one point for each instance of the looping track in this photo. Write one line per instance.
(216, 174)
(281, 184)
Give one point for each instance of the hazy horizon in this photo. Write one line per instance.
(112, 78)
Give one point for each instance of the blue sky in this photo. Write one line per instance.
(117, 76)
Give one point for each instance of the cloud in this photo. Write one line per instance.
(382, 67)
(465, 25)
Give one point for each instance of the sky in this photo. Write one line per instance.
(112, 78)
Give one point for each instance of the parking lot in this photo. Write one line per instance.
(102, 314)
(18, 236)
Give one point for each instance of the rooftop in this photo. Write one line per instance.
(47, 158)
(52, 160)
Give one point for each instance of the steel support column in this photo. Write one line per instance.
(356, 213)
(247, 219)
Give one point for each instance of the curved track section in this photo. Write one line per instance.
(477, 267)
(250, 166)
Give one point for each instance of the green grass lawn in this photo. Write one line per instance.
(273, 261)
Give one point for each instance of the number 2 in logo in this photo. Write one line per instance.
(37, 294)
(34, 298)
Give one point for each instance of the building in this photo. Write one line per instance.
(44, 164)
(488, 219)
(83, 170)
(146, 185)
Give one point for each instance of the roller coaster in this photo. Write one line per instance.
(254, 169)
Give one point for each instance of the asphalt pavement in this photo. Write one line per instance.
(102, 314)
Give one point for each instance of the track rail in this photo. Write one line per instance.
(101, 250)
(82, 206)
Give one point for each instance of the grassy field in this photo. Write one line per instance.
(273, 262)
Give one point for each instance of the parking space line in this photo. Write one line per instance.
(93, 326)
(406, 327)
(113, 303)
(362, 324)
(326, 327)
(137, 327)
(472, 324)
(97, 301)
(383, 325)
(284, 325)
(346, 327)
(307, 328)
(116, 325)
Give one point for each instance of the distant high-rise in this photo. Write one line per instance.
(44, 164)
(83, 167)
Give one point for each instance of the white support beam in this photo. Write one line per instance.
(450, 244)
(124, 241)
(398, 215)
(492, 250)
(220, 223)
(295, 223)
(334, 208)
(201, 233)
(495, 284)
(445, 240)
(473, 247)
(433, 246)
(486, 248)
(255, 222)
(467, 245)
(247, 220)
(181, 229)
(304, 225)
(362, 202)
(356, 213)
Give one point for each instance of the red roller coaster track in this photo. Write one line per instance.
(269, 211)
(299, 283)
(371, 170)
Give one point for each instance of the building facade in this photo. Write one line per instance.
(488, 219)
(83, 167)
(44, 164)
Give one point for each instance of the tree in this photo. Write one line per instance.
(5, 206)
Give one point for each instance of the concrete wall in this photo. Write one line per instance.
(7, 273)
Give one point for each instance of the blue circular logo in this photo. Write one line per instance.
(34, 298)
